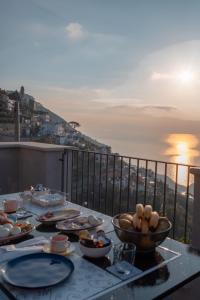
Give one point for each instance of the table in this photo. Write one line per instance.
(92, 282)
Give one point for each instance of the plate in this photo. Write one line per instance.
(10, 238)
(37, 270)
(58, 215)
(65, 226)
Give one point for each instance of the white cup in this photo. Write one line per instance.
(59, 243)
(10, 205)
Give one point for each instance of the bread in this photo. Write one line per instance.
(144, 226)
(125, 224)
(126, 217)
(147, 211)
(153, 222)
(139, 210)
(136, 222)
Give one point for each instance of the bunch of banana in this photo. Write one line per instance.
(144, 220)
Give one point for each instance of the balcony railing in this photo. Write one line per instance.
(113, 184)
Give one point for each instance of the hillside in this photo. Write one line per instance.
(40, 124)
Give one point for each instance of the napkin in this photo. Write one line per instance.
(34, 245)
(37, 241)
(124, 270)
(19, 252)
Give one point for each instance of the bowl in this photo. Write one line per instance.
(95, 252)
(145, 242)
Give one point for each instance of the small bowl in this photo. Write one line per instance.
(95, 252)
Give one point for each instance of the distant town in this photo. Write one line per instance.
(18, 109)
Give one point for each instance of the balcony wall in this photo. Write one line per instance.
(28, 163)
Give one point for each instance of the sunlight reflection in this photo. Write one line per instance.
(182, 150)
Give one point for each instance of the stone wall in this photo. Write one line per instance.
(28, 163)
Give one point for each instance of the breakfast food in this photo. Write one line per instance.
(8, 229)
(79, 223)
(58, 215)
(84, 234)
(125, 224)
(8, 225)
(4, 232)
(147, 212)
(153, 222)
(127, 217)
(93, 220)
(15, 230)
(46, 216)
(96, 240)
(4, 219)
(144, 226)
(139, 210)
(144, 220)
(136, 222)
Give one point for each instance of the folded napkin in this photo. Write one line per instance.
(124, 270)
(34, 245)
(37, 241)
(19, 252)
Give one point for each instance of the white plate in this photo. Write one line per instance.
(65, 225)
(59, 215)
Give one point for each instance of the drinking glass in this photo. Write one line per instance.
(125, 252)
(128, 252)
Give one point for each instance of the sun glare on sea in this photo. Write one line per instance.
(181, 150)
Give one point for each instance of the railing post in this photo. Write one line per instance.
(68, 174)
(195, 237)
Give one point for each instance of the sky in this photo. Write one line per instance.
(128, 71)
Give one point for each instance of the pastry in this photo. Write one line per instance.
(147, 211)
(136, 222)
(126, 217)
(125, 224)
(153, 222)
(144, 226)
(139, 210)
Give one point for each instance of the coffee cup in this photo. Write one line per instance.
(10, 205)
(59, 243)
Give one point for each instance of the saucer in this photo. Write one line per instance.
(69, 250)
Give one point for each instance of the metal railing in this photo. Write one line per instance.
(113, 184)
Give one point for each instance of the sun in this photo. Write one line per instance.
(185, 76)
(182, 148)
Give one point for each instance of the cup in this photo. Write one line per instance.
(10, 205)
(128, 252)
(125, 252)
(59, 243)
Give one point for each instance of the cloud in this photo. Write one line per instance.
(161, 76)
(130, 109)
(75, 31)
(160, 107)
